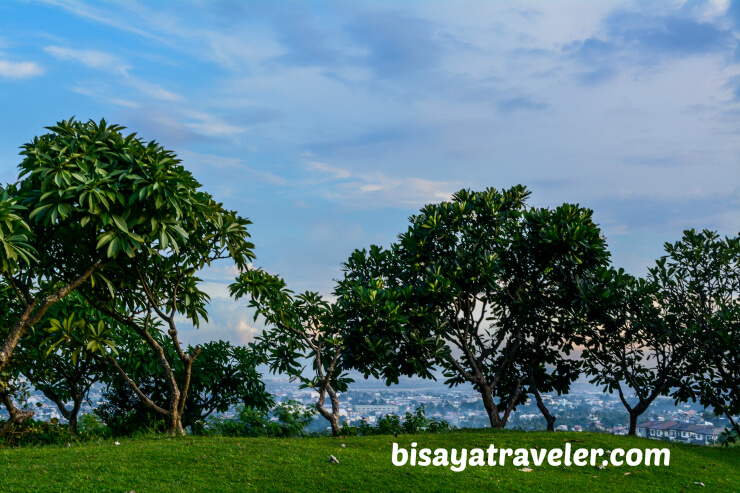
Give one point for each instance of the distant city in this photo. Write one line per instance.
(585, 408)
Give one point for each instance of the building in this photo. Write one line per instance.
(376, 409)
(679, 432)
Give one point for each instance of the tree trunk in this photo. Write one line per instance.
(633, 423)
(174, 424)
(17, 416)
(70, 416)
(491, 409)
(333, 416)
(549, 418)
(34, 310)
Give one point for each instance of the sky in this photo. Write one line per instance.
(328, 123)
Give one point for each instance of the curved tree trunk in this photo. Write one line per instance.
(17, 416)
(70, 415)
(639, 408)
(333, 416)
(34, 309)
(549, 418)
(493, 413)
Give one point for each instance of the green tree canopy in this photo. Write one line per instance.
(468, 287)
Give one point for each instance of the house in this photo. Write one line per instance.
(364, 410)
(679, 432)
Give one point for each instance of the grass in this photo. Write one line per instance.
(218, 464)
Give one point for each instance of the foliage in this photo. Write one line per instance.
(632, 341)
(699, 279)
(291, 419)
(91, 426)
(299, 328)
(391, 424)
(15, 235)
(480, 286)
(223, 375)
(143, 205)
(124, 413)
(65, 355)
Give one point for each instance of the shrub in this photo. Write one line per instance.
(390, 424)
(287, 419)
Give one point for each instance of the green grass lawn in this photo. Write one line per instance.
(266, 464)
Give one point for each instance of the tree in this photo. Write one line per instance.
(699, 279)
(64, 359)
(223, 375)
(632, 343)
(161, 283)
(88, 197)
(304, 327)
(468, 287)
(125, 215)
(12, 388)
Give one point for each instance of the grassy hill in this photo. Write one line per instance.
(263, 464)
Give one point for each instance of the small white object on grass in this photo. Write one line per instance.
(333, 460)
(118, 443)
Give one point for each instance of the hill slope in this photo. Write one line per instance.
(244, 464)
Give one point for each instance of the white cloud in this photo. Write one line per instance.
(105, 62)
(205, 162)
(19, 70)
(153, 90)
(325, 168)
(244, 332)
(378, 189)
(90, 58)
(210, 125)
(86, 91)
(103, 16)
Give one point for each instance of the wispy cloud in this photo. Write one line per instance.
(377, 189)
(101, 96)
(210, 125)
(333, 172)
(19, 70)
(206, 162)
(97, 60)
(111, 64)
(104, 16)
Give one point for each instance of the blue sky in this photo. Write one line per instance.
(329, 123)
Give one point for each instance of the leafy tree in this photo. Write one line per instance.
(223, 375)
(290, 419)
(147, 212)
(65, 355)
(88, 197)
(699, 279)
(12, 388)
(632, 344)
(304, 327)
(9, 391)
(468, 287)
(64, 370)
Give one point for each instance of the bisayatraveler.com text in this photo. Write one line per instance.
(459, 459)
